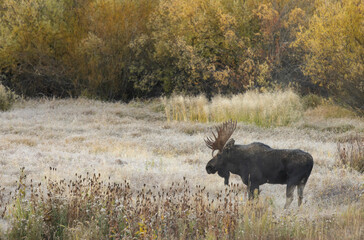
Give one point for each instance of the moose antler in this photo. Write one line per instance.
(224, 132)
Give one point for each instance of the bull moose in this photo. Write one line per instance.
(257, 163)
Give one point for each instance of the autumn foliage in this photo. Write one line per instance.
(122, 49)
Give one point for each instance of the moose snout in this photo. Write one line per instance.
(210, 169)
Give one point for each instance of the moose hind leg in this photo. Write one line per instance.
(300, 188)
(289, 195)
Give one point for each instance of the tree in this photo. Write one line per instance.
(334, 48)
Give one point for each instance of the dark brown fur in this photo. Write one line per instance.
(258, 164)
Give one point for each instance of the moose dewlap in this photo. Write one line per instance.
(257, 163)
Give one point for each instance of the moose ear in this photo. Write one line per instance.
(229, 144)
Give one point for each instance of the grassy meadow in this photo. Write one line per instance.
(87, 169)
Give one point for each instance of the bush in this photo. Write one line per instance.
(70, 47)
(35, 42)
(333, 51)
(312, 101)
(7, 98)
(86, 47)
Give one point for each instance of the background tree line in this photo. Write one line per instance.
(122, 49)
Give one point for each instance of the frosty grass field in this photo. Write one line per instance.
(135, 142)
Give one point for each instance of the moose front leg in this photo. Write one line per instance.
(224, 174)
(226, 181)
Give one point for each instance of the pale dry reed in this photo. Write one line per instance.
(262, 109)
(7, 98)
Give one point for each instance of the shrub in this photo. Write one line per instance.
(87, 47)
(199, 46)
(35, 42)
(102, 57)
(7, 98)
(312, 101)
(333, 51)
(70, 47)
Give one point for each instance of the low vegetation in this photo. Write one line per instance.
(89, 208)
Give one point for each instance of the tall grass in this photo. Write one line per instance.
(330, 110)
(263, 109)
(7, 98)
(351, 152)
(184, 108)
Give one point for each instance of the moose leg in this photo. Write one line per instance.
(289, 195)
(253, 191)
(300, 188)
(224, 174)
(226, 181)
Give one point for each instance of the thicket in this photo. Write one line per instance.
(122, 49)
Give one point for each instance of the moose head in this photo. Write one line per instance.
(220, 142)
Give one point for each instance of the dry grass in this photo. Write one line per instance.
(351, 152)
(329, 110)
(134, 147)
(87, 207)
(7, 98)
(261, 109)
